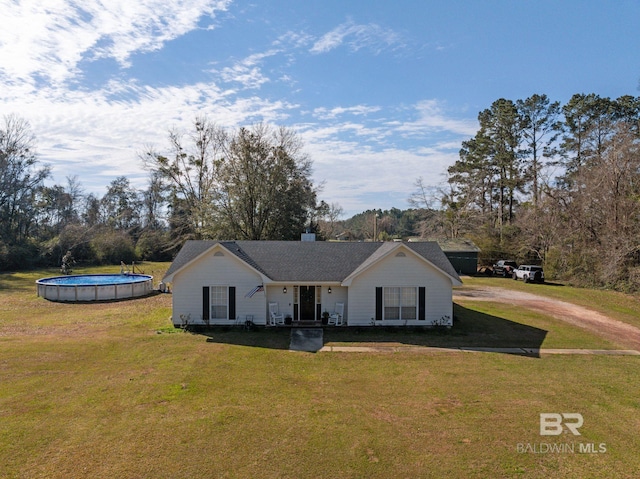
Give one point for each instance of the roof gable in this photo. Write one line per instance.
(193, 250)
(377, 255)
(302, 261)
(429, 252)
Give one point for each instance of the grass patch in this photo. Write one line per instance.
(111, 390)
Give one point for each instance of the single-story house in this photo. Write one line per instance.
(368, 283)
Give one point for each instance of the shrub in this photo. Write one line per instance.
(152, 246)
(74, 238)
(112, 247)
(18, 256)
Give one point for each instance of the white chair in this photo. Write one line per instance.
(275, 318)
(335, 318)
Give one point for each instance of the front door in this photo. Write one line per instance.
(307, 303)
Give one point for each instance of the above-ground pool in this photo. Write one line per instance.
(94, 287)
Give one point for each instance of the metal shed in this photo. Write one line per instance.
(462, 253)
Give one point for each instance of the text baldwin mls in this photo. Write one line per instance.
(554, 424)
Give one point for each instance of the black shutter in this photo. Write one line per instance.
(206, 310)
(422, 314)
(378, 304)
(232, 302)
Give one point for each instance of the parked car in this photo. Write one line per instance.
(529, 273)
(504, 267)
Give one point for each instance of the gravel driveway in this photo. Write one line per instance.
(608, 328)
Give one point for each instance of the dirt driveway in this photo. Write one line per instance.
(608, 328)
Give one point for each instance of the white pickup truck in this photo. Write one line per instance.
(529, 273)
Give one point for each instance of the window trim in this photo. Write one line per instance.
(208, 304)
(416, 296)
(213, 304)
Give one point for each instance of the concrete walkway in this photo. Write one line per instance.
(312, 340)
(306, 339)
(517, 351)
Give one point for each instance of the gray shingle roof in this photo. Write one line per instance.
(308, 261)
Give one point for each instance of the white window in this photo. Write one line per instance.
(408, 303)
(400, 303)
(219, 302)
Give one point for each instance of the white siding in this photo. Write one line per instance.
(408, 270)
(211, 270)
(339, 294)
(275, 294)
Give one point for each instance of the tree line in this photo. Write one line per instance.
(553, 184)
(207, 183)
(539, 182)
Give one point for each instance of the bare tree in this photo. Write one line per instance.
(329, 221)
(20, 179)
(153, 200)
(422, 196)
(601, 224)
(190, 170)
(431, 222)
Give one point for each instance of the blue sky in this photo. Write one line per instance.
(381, 92)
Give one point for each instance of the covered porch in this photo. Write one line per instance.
(306, 305)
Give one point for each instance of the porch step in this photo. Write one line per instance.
(306, 324)
(306, 339)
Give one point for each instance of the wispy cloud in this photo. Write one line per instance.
(294, 39)
(431, 117)
(357, 36)
(97, 134)
(381, 152)
(361, 175)
(330, 114)
(61, 34)
(248, 71)
(358, 149)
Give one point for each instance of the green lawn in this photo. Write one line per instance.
(112, 390)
